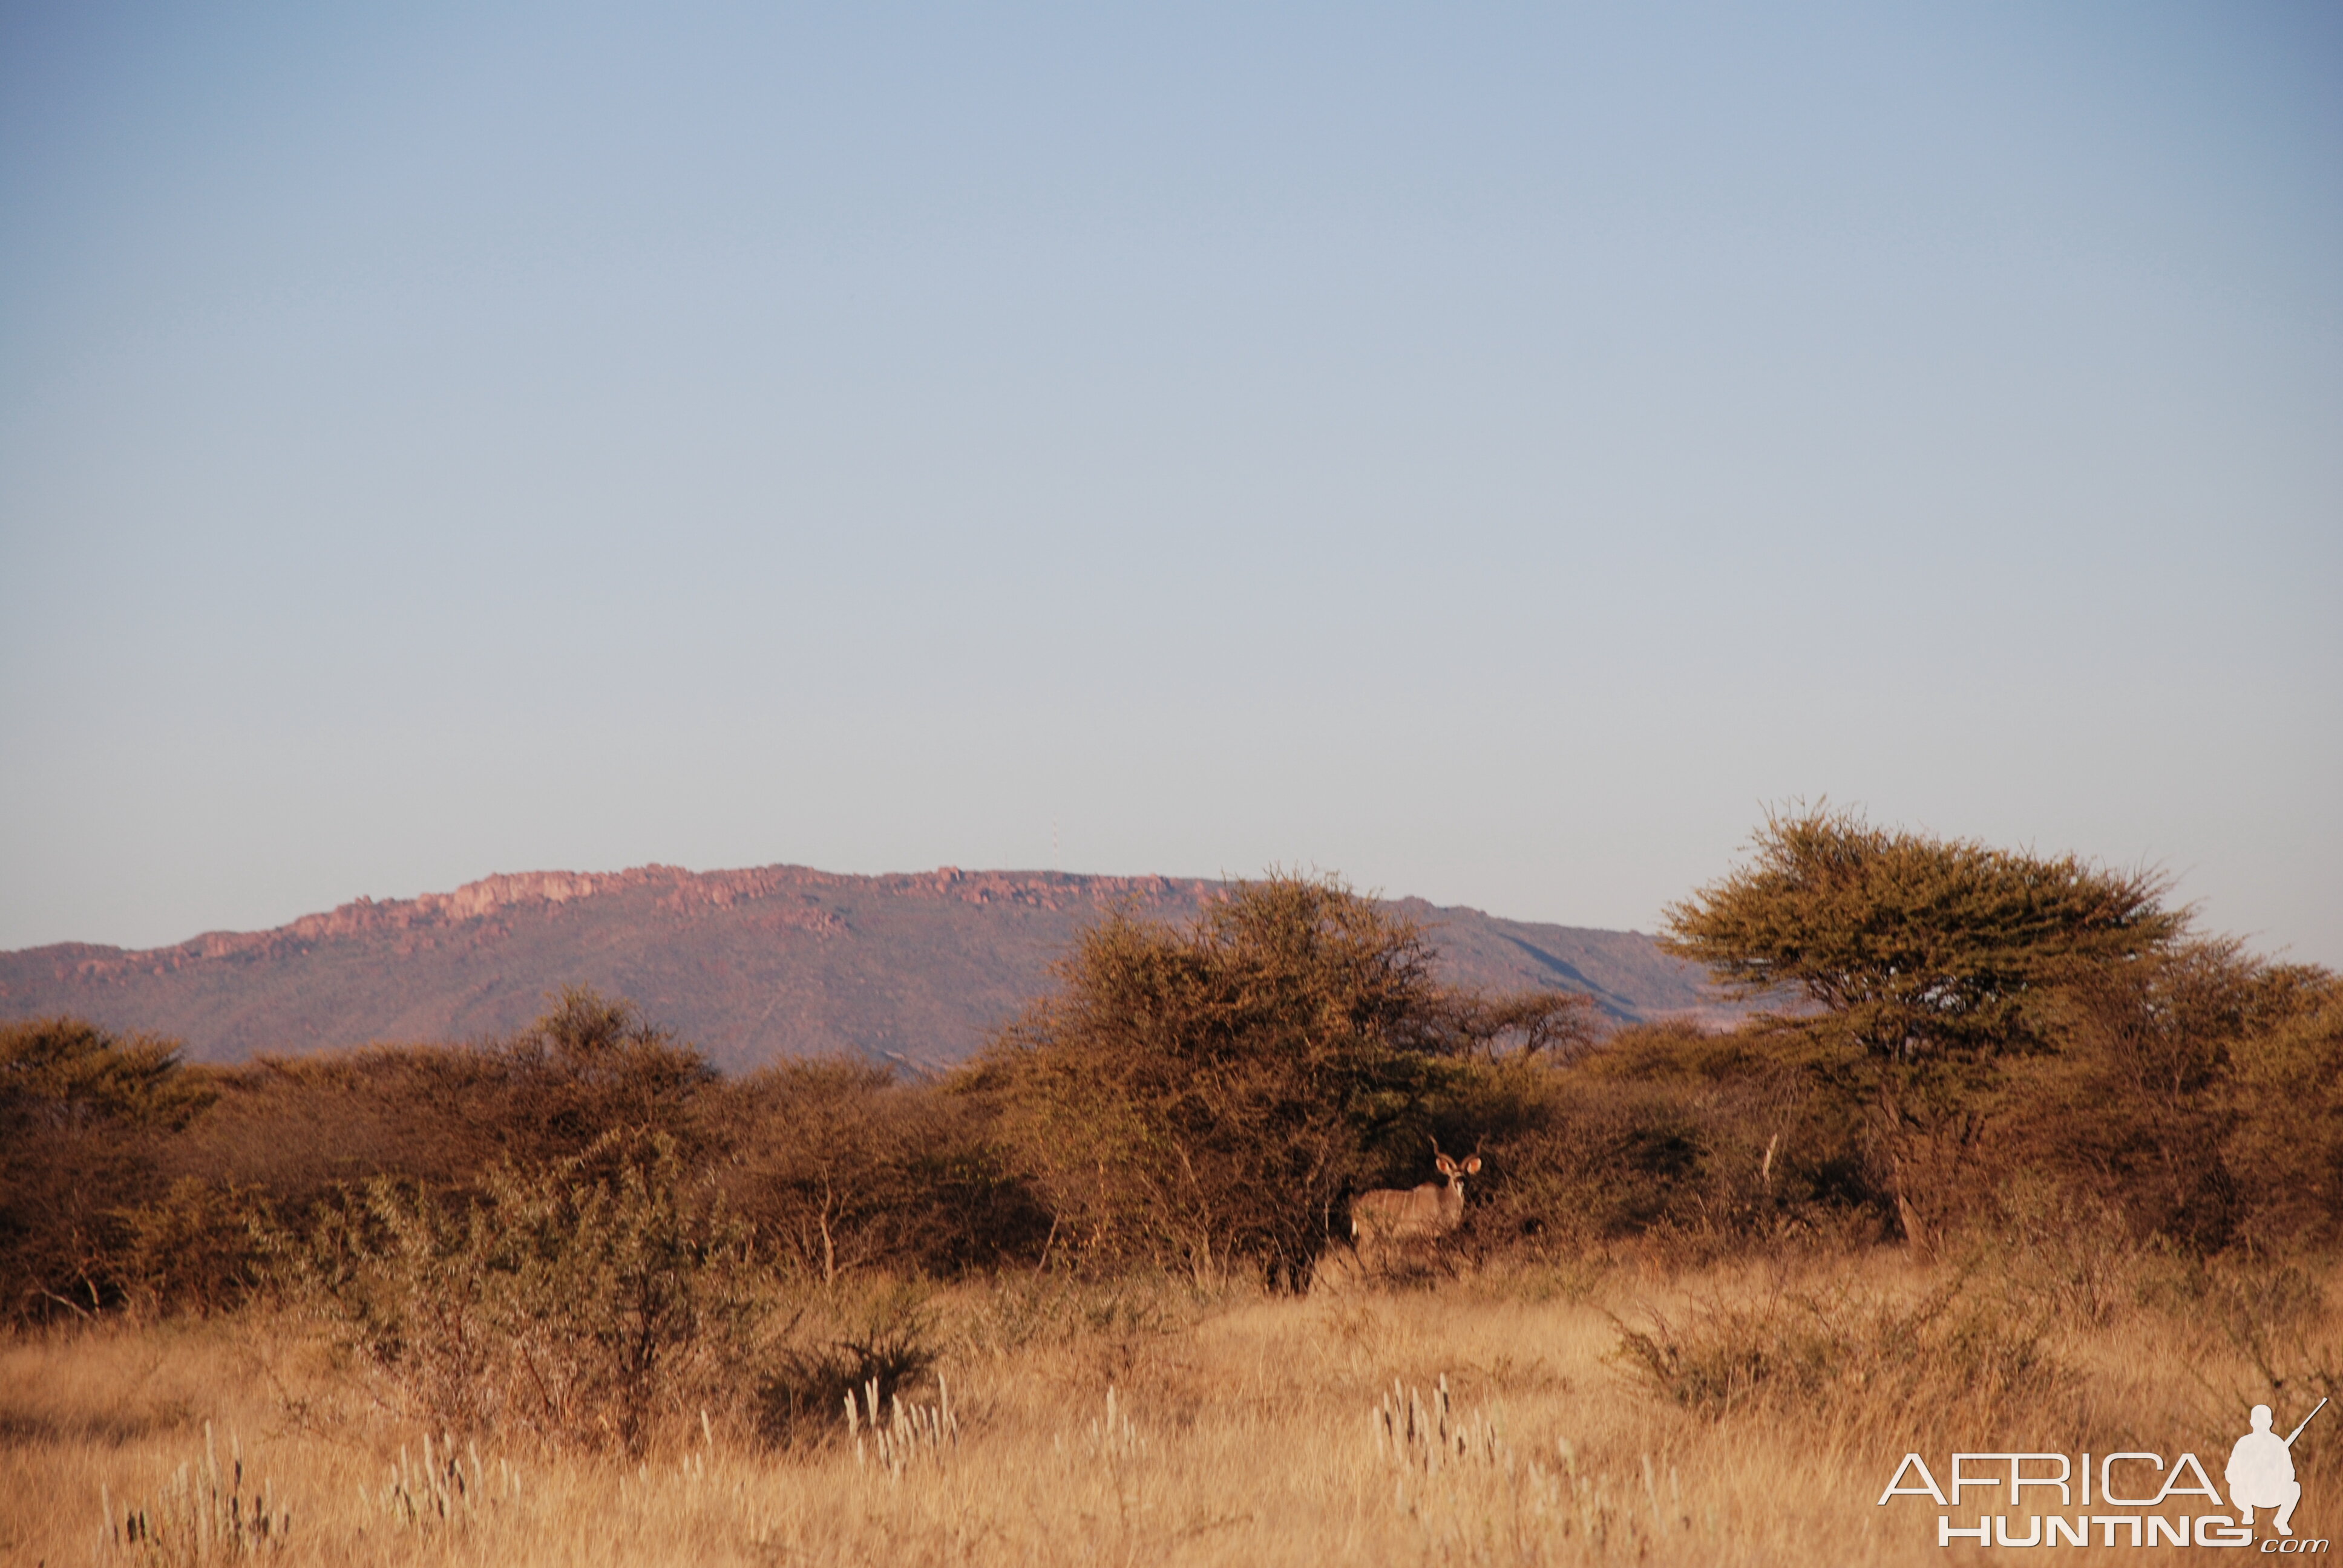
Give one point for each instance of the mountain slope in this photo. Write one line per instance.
(749, 965)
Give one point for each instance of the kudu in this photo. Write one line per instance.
(1421, 1213)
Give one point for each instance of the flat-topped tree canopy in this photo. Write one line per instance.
(1915, 947)
(1922, 961)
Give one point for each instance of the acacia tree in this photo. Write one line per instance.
(1210, 1094)
(82, 1112)
(1919, 961)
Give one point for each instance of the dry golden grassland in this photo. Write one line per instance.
(1152, 1423)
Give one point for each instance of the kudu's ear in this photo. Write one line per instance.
(1447, 1166)
(1471, 1165)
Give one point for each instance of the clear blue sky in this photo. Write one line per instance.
(1489, 452)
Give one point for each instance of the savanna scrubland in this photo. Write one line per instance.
(2017, 1161)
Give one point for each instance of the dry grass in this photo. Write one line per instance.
(1243, 1428)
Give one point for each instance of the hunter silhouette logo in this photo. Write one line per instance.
(2261, 1471)
(2259, 1475)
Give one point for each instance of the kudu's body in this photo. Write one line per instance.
(1420, 1214)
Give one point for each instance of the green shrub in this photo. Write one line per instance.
(2282, 1143)
(84, 1115)
(582, 1303)
(1665, 1127)
(842, 1167)
(193, 1249)
(301, 1127)
(1210, 1096)
(1856, 1359)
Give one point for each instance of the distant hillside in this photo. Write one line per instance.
(751, 965)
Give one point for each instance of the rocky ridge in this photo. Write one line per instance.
(751, 964)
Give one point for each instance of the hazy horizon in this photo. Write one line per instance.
(1491, 455)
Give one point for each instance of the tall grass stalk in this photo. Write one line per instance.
(200, 1515)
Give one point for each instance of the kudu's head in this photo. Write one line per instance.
(1454, 1170)
(1449, 1201)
